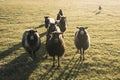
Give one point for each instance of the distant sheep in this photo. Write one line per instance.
(55, 45)
(100, 8)
(48, 21)
(31, 42)
(82, 41)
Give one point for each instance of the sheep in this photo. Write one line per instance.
(82, 41)
(62, 24)
(31, 42)
(52, 27)
(61, 21)
(48, 21)
(55, 46)
(100, 8)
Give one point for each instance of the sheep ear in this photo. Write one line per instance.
(35, 30)
(86, 27)
(46, 16)
(77, 27)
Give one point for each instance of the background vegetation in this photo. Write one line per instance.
(102, 59)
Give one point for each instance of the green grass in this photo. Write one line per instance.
(102, 59)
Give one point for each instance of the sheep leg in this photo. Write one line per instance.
(53, 61)
(34, 55)
(80, 54)
(83, 56)
(58, 61)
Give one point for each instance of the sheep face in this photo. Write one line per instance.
(32, 37)
(55, 36)
(46, 21)
(52, 27)
(82, 30)
(31, 42)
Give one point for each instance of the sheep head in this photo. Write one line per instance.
(82, 30)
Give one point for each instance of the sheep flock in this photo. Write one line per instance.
(55, 45)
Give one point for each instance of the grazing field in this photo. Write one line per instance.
(102, 59)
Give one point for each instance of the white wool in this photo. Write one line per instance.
(25, 36)
(76, 38)
(76, 33)
(38, 39)
(58, 29)
(51, 20)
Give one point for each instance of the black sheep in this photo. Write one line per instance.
(55, 46)
(62, 23)
(31, 42)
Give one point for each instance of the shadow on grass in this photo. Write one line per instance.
(40, 26)
(48, 74)
(65, 68)
(21, 67)
(73, 72)
(10, 50)
(42, 34)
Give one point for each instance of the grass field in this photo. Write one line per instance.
(102, 59)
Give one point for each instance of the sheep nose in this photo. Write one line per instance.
(32, 37)
(81, 32)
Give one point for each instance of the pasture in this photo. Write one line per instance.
(102, 59)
